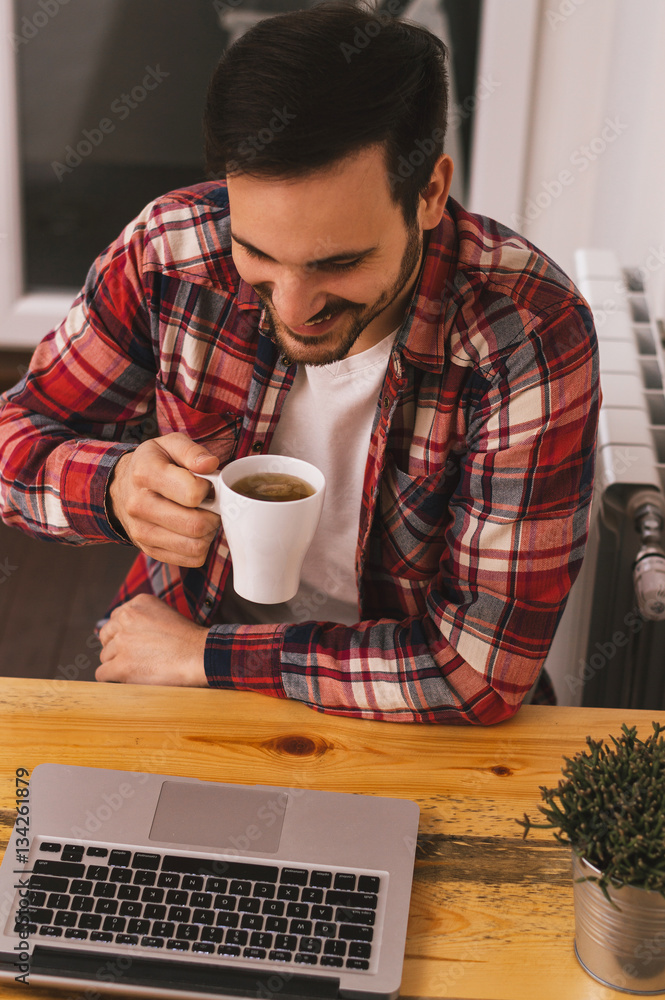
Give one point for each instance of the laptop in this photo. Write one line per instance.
(165, 886)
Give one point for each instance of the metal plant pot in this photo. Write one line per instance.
(622, 946)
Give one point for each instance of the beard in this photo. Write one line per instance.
(337, 342)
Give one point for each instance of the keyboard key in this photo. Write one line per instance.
(368, 883)
(180, 914)
(51, 931)
(332, 960)
(137, 925)
(297, 910)
(357, 963)
(144, 877)
(128, 892)
(228, 869)
(321, 880)
(98, 873)
(103, 936)
(65, 919)
(97, 852)
(294, 876)
(37, 898)
(260, 939)
(177, 896)
(149, 861)
(234, 936)
(49, 882)
(114, 924)
(231, 950)
(254, 953)
(152, 942)
(301, 926)
(152, 895)
(215, 934)
(216, 885)
(288, 892)
(120, 858)
(50, 846)
(321, 913)
(227, 919)
(126, 939)
(106, 906)
(286, 942)
(355, 932)
(252, 921)
(177, 945)
(204, 946)
(356, 900)
(187, 932)
(121, 875)
(275, 907)
(80, 887)
(280, 956)
(202, 916)
(192, 882)
(278, 924)
(41, 916)
(65, 868)
(58, 900)
(163, 929)
(131, 909)
(239, 888)
(76, 933)
(334, 947)
(265, 890)
(305, 958)
(311, 945)
(358, 949)
(247, 905)
(348, 916)
(344, 880)
(311, 895)
(168, 880)
(72, 852)
(90, 921)
(201, 899)
(82, 904)
(225, 902)
(105, 890)
(324, 930)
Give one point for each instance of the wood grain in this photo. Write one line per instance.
(491, 914)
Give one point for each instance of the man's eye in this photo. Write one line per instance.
(344, 265)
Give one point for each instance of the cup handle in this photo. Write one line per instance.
(213, 502)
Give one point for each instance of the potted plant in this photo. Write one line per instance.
(610, 808)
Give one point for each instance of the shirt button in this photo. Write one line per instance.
(208, 602)
(258, 446)
(386, 401)
(286, 361)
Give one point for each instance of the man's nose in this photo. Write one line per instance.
(297, 300)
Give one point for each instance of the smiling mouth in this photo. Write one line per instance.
(315, 322)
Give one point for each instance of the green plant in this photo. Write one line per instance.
(611, 809)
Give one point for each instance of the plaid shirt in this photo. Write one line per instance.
(477, 486)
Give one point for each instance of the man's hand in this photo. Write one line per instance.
(146, 642)
(154, 495)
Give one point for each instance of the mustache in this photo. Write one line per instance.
(331, 308)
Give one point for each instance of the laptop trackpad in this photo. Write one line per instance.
(228, 818)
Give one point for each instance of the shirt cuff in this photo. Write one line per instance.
(246, 657)
(83, 489)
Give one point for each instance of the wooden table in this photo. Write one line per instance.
(491, 914)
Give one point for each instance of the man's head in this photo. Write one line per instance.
(328, 124)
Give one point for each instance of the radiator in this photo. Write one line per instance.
(609, 649)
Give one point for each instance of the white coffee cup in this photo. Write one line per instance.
(268, 541)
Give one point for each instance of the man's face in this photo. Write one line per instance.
(331, 246)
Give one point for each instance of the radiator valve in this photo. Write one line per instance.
(648, 511)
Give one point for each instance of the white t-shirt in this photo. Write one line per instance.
(327, 420)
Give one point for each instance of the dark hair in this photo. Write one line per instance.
(304, 89)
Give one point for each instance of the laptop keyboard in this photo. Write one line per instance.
(203, 906)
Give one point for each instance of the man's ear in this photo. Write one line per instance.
(433, 201)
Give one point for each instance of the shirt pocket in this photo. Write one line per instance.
(414, 516)
(218, 431)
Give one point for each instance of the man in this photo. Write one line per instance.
(327, 299)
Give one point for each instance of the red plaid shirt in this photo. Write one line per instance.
(477, 486)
